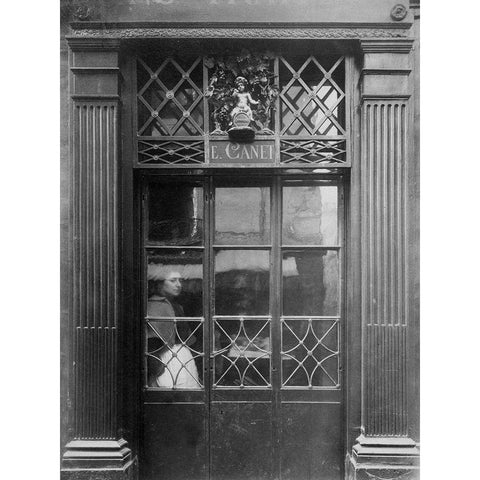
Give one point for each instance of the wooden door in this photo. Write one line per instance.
(243, 328)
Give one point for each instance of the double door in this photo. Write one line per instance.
(243, 328)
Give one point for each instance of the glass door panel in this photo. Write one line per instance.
(242, 216)
(310, 282)
(243, 325)
(174, 322)
(175, 214)
(310, 215)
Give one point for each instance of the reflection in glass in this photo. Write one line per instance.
(242, 282)
(242, 352)
(310, 350)
(242, 216)
(310, 215)
(174, 341)
(310, 283)
(175, 214)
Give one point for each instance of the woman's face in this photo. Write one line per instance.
(172, 285)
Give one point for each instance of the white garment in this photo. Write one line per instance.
(180, 369)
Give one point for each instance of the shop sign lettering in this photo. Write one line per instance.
(261, 151)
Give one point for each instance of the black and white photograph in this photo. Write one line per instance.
(241, 239)
(238, 243)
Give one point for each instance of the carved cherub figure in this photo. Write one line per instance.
(244, 99)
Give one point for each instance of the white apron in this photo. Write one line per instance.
(180, 369)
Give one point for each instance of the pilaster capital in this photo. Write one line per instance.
(93, 44)
(387, 45)
(386, 68)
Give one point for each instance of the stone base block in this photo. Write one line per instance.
(98, 459)
(383, 458)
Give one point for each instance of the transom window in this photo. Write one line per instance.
(184, 101)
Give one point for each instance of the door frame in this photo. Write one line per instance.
(275, 179)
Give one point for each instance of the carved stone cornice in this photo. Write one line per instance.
(291, 32)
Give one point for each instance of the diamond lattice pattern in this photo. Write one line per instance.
(313, 151)
(170, 97)
(171, 152)
(311, 100)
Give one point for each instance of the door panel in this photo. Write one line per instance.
(311, 443)
(175, 446)
(241, 436)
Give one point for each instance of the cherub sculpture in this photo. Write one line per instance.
(243, 98)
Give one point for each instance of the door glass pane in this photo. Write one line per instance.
(242, 216)
(310, 283)
(310, 215)
(174, 324)
(310, 350)
(242, 282)
(175, 214)
(242, 352)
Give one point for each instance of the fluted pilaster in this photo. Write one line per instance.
(95, 442)
(384, 443)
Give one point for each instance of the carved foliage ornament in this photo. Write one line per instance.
(256, 72)
(262, 33)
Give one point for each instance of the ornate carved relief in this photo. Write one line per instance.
(399, 12)
(234, 77)
(267, 33)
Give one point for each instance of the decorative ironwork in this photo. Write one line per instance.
(170, 101)
(178, 360)
(313, 151)
(311, 101)
(184, 99)
(171, 152)
(242, 352)
(310, 352)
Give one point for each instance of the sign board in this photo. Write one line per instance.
(254, 11)
(226, 152)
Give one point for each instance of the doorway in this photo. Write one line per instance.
(243, 327)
